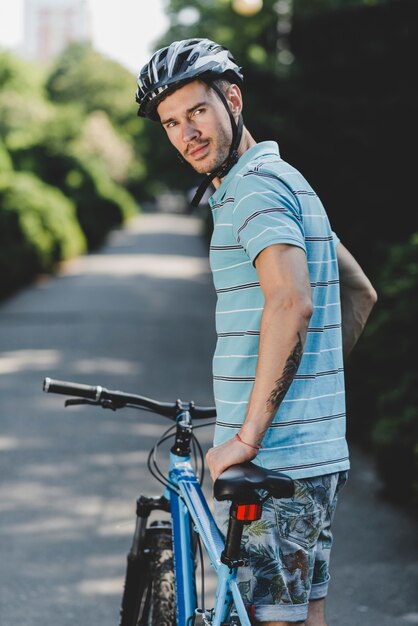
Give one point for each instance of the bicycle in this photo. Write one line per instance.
(160, 582)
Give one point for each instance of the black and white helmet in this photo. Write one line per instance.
(179, 63)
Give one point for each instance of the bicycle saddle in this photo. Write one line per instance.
(239, 483)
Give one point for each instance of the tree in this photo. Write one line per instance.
(86, 77)
(104, 92)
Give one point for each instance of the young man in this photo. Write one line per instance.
(292, 302)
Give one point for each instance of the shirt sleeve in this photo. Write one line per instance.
(335, 239)
(266, 212)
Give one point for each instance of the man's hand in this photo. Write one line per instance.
(226, 454)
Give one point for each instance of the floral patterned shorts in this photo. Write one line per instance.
(288, 549)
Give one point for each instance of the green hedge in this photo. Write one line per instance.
(38, 228)
(5, 160)
(394, 339)
(383, 376)
(100, 203)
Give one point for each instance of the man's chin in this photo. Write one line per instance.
(203, 166)
(200, 168)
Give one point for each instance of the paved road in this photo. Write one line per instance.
(137, 316)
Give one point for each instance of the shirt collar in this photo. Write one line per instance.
(260, 149)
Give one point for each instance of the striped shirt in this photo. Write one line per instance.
(264, 201)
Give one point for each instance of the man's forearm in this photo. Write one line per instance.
(357, 298)
(356, 306)
(282, 336)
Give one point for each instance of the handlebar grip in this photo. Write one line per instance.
(72, 389)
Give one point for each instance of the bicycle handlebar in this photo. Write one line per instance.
(72, 389)
(119, 399)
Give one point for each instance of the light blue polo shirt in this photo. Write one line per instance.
(264, 201)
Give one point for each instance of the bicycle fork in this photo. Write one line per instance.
(144, 507)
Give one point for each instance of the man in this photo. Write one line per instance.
(278, 365)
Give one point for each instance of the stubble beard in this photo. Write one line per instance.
(220, 150)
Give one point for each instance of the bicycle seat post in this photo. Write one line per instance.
(240, 484)
(239, 514)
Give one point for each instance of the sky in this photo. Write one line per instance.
(124, 30)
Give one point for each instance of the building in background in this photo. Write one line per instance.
(50, 25)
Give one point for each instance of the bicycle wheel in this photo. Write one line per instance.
(161, 596)
(149, 597)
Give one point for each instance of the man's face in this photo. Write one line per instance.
(197, 125)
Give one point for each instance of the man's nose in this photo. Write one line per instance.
(190, 132)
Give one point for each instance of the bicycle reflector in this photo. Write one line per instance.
(248, 512)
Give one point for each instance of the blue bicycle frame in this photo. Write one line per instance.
(191, 506)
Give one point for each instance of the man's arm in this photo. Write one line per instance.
(357, 298)
(284, 279)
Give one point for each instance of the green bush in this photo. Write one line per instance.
(395, 440)
(38, 228)
(24, 109)
(20, 76)
(100, 203)
(103, 90)
(5, 160)
(383, 374)
(395, 341)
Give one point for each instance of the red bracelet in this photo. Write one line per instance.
(238, 438)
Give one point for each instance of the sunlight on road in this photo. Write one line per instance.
(8, 443)
(161, 223)
(101, 365)
(101, 587)
(19, 360)
(154, 265)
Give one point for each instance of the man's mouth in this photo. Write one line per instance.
(198, 151)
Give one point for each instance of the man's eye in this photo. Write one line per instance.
(170, 124)
(199, 111)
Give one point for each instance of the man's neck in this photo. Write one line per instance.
(246, 143)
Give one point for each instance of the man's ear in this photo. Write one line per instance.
(234, 97)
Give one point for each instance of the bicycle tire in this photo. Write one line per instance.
(149, 596)
(162, 605)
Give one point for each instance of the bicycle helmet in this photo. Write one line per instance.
(180, 63)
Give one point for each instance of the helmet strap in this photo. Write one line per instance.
(232, 158)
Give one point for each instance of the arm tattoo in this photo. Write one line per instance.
(283, 383)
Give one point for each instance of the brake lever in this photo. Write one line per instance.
(74, 401)
(105, 404)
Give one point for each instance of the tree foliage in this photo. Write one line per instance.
(104, 93)
(5, 159)
(37, 229)
(64, 145)
(20, 76)
(86, 77)
(384, 373)
(254, 48)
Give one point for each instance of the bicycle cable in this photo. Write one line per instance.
(152, 457)
(154, 468)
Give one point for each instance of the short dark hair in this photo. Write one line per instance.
(222, 83)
